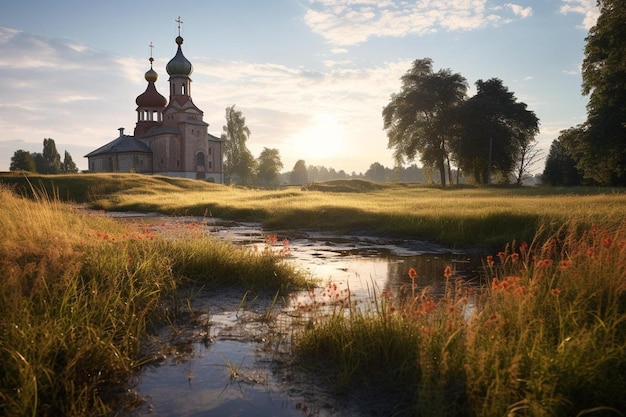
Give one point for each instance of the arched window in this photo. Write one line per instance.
(200, 159)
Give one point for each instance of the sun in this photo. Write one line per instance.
(323, 138)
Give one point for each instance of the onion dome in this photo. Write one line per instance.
(151, 75)
(179, 65)
(151, 97)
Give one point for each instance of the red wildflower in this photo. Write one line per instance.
(447, 272)
(412, 273)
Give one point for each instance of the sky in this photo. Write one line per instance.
(311, 77)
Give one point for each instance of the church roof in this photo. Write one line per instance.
(122, 144)
(214, 138)
(179, 65)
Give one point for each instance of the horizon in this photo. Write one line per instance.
(311, 84)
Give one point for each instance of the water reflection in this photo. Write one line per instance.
(232, 363)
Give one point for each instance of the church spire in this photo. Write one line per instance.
(150, 103)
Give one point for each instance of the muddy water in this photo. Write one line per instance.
(229, 355)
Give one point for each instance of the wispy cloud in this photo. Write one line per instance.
(588, 8)
(349, 22)
(79, 96)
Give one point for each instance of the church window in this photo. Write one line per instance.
(200, 159)
(210, 151)
(210, 165)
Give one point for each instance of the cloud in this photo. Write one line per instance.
(350, 22)
(588, 8)
(79, 96)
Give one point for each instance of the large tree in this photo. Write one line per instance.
(418, 119)
(68, 165)
(51, 158)
(22, 161)
(560, 167)
(493, 131)
(239, 164)
(600, 146)
(269, 166)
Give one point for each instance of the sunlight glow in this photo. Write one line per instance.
(324, 138)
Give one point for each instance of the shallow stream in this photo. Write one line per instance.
(230, 355)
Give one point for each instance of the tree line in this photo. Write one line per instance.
(594, 152)
(46, 162)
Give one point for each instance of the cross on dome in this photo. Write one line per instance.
(179, 21)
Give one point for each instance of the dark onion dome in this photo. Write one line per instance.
(179, 65)
(151, 97)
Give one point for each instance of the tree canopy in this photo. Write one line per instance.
(599, 145)
(418, 119)
(299, 175)
(494, 131)
(22, 161)
(269, 166)
(238, 160)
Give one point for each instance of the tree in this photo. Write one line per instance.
(528, 156)
(238, 160)
(269, 166)
(492, 129)
(600, 148)
(299, 175)
(376, 172)
(51, 158)
(418, 119)
(22, 161)
(68, 166)
(560, 167)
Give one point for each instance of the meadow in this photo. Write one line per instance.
(80, 293)
(459, 217)
(545, 335)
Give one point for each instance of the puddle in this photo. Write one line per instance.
(227, 359)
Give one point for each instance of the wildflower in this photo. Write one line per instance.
(412, 274)
(490, 260)
(514, 257)
(523, 247)
(565, 264)
(555, 291)
(447, 272)
(607, 241)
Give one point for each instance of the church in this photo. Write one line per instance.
(170, 138)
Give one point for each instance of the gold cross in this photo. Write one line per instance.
(179, 21)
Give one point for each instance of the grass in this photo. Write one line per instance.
(459, 217)
(545, 337)
(80, 292)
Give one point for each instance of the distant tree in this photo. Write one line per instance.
(22, 161)
(528, 156)
(269, 166)
(376, 172)
(600, 145)
(238, 160)
(492, 129)
(68, 166)
(299, 175)
(418, 118)
(560, 168)
(41, 165)
(52, 159)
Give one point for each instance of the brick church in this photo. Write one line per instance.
(170, 138)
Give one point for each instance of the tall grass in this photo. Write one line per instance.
(464, 216)
(545, 337)
(80, 291)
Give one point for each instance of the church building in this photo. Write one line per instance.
(170, 138)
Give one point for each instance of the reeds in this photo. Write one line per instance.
(546, 335)
(79, 293)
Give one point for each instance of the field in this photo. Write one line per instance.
(545, 337)
(458, 217)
